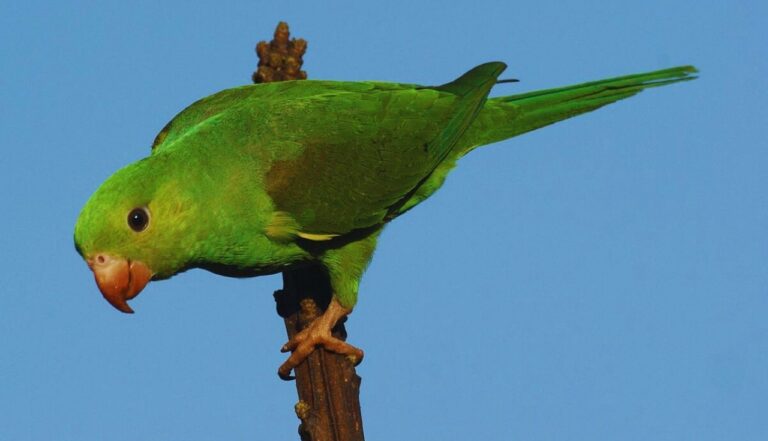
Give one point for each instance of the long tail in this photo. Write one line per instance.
(509, 116)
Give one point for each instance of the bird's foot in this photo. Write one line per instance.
(318, 333)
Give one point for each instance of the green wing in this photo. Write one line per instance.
(371, 151)
(363, 148)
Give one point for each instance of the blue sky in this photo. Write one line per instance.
(603, 278)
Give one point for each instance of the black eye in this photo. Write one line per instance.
(138, 219)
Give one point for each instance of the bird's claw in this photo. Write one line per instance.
(305, 342)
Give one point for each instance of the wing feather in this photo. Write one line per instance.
(361, 149)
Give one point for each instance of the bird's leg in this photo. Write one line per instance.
(318, 333)
(344, 266)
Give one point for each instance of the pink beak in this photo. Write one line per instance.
(119, 280)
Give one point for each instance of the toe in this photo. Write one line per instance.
(284, 372)
(341, 347)
(300, 352)
(295, 341)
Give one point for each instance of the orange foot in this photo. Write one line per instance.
(318, 333)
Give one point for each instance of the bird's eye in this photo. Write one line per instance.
(138, 219)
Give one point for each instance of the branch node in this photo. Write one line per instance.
(281, 58)
(302, 409)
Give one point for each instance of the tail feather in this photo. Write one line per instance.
(509, 116)
(472, 88)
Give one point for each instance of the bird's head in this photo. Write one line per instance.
(131, 231)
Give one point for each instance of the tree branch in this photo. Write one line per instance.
(327, 384)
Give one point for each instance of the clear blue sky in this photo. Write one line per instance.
(604, 278)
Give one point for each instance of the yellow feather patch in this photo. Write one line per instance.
(283, 228)
(316, 237)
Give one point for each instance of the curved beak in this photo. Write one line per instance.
(119, 279)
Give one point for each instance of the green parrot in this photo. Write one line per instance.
(261, 178)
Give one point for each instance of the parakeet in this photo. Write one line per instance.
(261, 178)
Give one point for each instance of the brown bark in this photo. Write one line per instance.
(326, 382)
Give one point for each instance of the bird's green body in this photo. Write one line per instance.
(259, 178)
